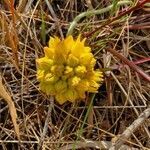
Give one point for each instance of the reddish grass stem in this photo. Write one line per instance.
(130, 64)
(142, 61)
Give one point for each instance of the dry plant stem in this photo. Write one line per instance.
(138, 6)
(130, 101)
(55, 17)
(4, 94)
(127, 133)
(80, 144)
(140, 61)
(22, 5)
(89, 4)
(106, 132)
(10, 4)
(138, 27)
(91, 13)
(130, 64)
(47, 121)
(11, 37)
(94, 144)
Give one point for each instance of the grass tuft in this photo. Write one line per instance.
(118, 33)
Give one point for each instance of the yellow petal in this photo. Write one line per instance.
(80, 71)
(79, 39)
(61, 49)
(49, 78)
(47, 88)
(44, 63)
(79, 47)
(53, 42)
(93, 86)
(72, 61)
(92, 62)
(68, 71)
(40, 75)
(83, 85)
(71, 95)
(60, 86)
(50, 90)
(49, 52)
(60, 98)
(86, 58)
(69, 42)
(57, 70)
(59, 59)
(74, 81)
(96, 76)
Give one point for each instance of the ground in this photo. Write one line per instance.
(120, 41)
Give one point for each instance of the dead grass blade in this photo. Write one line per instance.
(21, 6)
(4, 94)
(94, 145)
(127, 133)
(11, 6)
(10, 38)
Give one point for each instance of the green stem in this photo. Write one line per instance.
(93, 12)
(79, 133)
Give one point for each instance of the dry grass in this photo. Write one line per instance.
(25, 28)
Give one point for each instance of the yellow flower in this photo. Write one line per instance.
(61, 86)
(80, 71)
(74, 81)
(67, 70)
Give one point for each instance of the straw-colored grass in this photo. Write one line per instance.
(117, 116)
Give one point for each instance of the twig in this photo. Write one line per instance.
(127, 133)
(48, 119)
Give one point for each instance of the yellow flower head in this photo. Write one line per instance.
(67, 70)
